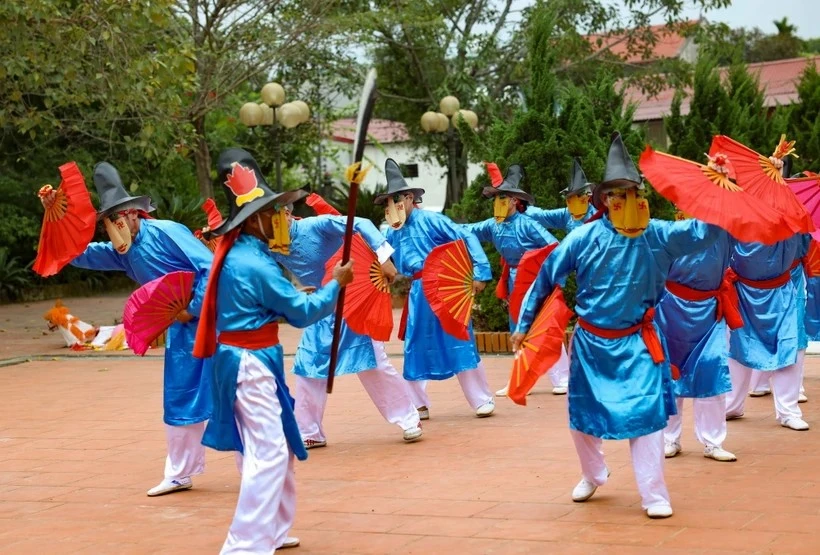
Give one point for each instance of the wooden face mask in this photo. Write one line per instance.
(281, 232)
(394, 211)
(628, 211)
(501, 208)
(578, 205)
(118, 232)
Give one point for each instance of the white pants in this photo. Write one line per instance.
(710, 421)
(559, 373)
(473, 384)
(785, 388)
(267, 494)
(760, 380)
(647, 462)
(386, 388)
(186, 454)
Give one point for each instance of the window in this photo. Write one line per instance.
(409, 170)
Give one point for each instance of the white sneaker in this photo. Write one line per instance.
(170, 486)
(583, 491)
(795, 424)
(802, 398)
(289, 542)
(718, 454)
(733, 416)
(760, 393)
(503, 392)
(314, 443)
(412, 434)
(559, 390)
(659, 511)
(671, 449)
(485, 410)
(424, 413)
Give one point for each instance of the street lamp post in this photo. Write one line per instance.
(273, 111)
(446, 120)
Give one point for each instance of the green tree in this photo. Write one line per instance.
(804, 121)
(784, 44)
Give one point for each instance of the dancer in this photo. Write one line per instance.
(253, 410)
(430, 353)
(146, 249)
(513, 234)
(576, 196)
(620, 380)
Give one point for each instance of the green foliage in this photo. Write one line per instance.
(804, 121)
(14, 278)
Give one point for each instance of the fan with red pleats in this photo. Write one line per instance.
(760, 178)
(447, 281)
(528, 268)
(68, 224)
(807, 190)
(368, 305)
(151, 309)
(541, 347)
(705, 192)
(811, 262)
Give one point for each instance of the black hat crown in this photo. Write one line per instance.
(396, 183)
(578, 182)
(112, 193)
(620, 171)
(511, 185)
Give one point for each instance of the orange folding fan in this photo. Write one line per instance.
(757, 175)
(151, 309)
(447, 281)
(528, 268)
(541, 347)
(707, 193)
(68, 224)
(368, 306)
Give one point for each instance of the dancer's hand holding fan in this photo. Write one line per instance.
(447, 281)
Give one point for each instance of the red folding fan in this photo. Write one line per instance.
(447, 280)
(760, 178)
(807, 190)
(68, 224)
(368, 305)
(706, 193)
(151, 309)
(541, 347)
(528, 268)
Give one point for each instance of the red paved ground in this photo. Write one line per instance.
(81, 440)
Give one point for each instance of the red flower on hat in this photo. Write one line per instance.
(243, 184)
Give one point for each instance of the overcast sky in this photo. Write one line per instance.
(805, 14)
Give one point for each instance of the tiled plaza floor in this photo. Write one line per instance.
(81, 440)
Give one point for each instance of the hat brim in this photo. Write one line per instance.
(587, 190)
(281, 199)
(598, 192)
(381, 199)
(140, 203)
(490, 192)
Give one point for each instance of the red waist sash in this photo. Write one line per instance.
(728, 304)
(266, 336)
(501, 290)
(648, 333)
(772, 283)
(403, 321)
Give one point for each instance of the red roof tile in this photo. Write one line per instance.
(379, 130)
(670, 43)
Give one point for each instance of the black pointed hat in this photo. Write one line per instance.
(112, 193)
(620, 171)
(246, 189)
(510, 186)
(396, 183)
(786, 170)
(578, 182)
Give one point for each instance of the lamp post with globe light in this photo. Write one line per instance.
(273, 111)
(446, 120)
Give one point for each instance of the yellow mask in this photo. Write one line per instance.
(628, 211)
(501, 208)
(578, 206)
(394, 212)
(281, 232)
(118, 232)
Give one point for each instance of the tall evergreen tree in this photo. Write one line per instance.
(804, 121)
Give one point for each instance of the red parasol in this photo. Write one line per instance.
(706, 193)
(811, 262)
(368, 304)
(447, 280)
(807, 190)
(758, 176)
(541, 347)
(525, 275)
(152, 308)
(68, 224)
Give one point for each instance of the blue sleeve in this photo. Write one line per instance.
(333, 227)
(538, 234)
(550, 219)
(687, 236)
(100, 256)
(182, 245)
(453, 232)
(298, 308)
(555, 270)
(482, 230)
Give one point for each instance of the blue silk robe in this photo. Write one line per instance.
(697, 343)
(799, 281)
(161, 247)
(769, 338)
(558, 218)
(314, 241)
(253, 292)
(430, 353)
(812, 320)
(616, 391)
